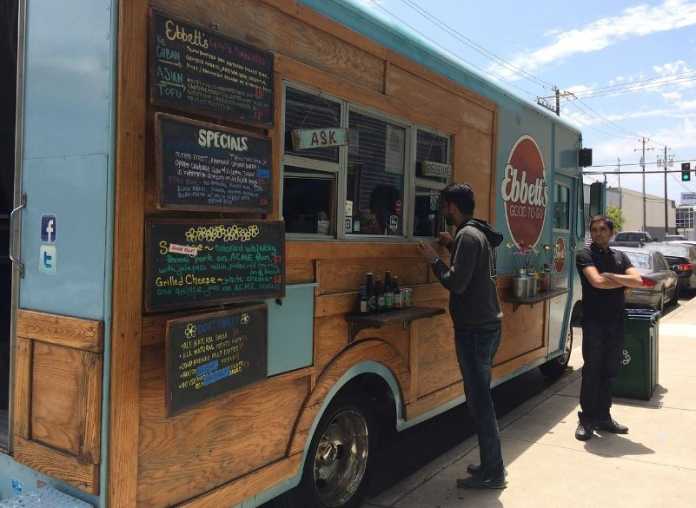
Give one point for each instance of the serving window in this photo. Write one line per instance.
(376, 169)
(433, 173)
(380, 176)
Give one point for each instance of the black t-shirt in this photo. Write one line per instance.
(602, 304)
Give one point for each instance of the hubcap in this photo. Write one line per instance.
(341, 458)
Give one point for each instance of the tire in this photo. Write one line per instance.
(336, 470)
(555, 368)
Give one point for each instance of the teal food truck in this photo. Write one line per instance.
(191, 196)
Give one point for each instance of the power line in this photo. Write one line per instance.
(474, 45)
(592, 94)
(450, 52)
(654, 81)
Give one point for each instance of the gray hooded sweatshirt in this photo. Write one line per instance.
(471, 279)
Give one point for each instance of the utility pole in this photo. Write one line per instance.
(557, 95)
(644, 140)
(664, 163)
(618, 170)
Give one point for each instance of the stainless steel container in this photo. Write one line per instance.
(520, 286)
(531, 286)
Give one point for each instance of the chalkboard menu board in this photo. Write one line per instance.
(211, 354)
(202, 166)
(194, 69)
(193, 264)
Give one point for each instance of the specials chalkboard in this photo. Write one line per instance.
(191, 264)
(211, 354)
(197, 70)
(203, 166)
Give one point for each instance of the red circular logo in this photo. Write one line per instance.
(524, 193)
(559, 255)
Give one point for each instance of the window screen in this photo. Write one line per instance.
(307, 111)
(433, 148)
(375, 184)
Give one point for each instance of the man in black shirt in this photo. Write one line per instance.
(605, 274)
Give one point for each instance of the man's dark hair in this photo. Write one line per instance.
(603, 218)
(462, 195)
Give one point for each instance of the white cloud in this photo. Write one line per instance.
(637, 21)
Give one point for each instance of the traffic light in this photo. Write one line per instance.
(686, 171)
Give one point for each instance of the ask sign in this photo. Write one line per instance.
(304, 139)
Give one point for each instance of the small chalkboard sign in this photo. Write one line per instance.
(202, 166)
(201, 263)
(211, 354)
(196, 70)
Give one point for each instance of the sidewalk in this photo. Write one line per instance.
(654, 465)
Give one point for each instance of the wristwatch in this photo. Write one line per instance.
(435, 260)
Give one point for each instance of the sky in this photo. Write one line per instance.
(630, 65)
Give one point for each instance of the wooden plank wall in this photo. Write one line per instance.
(217, 445)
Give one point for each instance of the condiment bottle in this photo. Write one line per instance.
(388, 291)
(398, 303)
(379, 288)
(363, 300)
(371, 293)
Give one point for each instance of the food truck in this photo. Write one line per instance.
(192, 195)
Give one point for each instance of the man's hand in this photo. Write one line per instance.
(428, 252)
(445, 239)
(631, 279)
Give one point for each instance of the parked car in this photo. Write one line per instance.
(682, 259)
(660, 283)
(632, 238)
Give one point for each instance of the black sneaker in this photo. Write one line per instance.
(611, 425)
(583, 432)
(482, 482)
(473, 469)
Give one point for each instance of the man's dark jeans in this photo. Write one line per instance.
(602, 347)
(476, 347)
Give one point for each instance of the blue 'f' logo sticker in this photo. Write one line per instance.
(49, 228)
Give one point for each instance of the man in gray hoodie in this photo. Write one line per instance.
(475, 311)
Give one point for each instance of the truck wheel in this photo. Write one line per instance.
(556, 367)
(337, 465)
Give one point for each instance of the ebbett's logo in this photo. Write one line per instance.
(559, 255)
(525, 193)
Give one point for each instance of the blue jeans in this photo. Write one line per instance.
(476, 347)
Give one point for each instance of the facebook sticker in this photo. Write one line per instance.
(48, 228)
(47, 259)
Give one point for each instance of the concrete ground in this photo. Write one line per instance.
(654, 465)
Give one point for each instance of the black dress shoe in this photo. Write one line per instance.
(611, 425)
(474, 469)
(583, 432)
(482, 482)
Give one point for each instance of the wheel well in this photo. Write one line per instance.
(373, 390)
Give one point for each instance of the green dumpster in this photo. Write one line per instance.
(638, 374)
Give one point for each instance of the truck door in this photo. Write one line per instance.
(8, 78)
(563, 246)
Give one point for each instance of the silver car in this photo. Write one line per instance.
(681, 257)
(660, 283)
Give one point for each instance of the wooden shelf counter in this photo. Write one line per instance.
(358, 322)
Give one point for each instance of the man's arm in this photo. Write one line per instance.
(456, 278)
(599, 280)
(631, 279)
